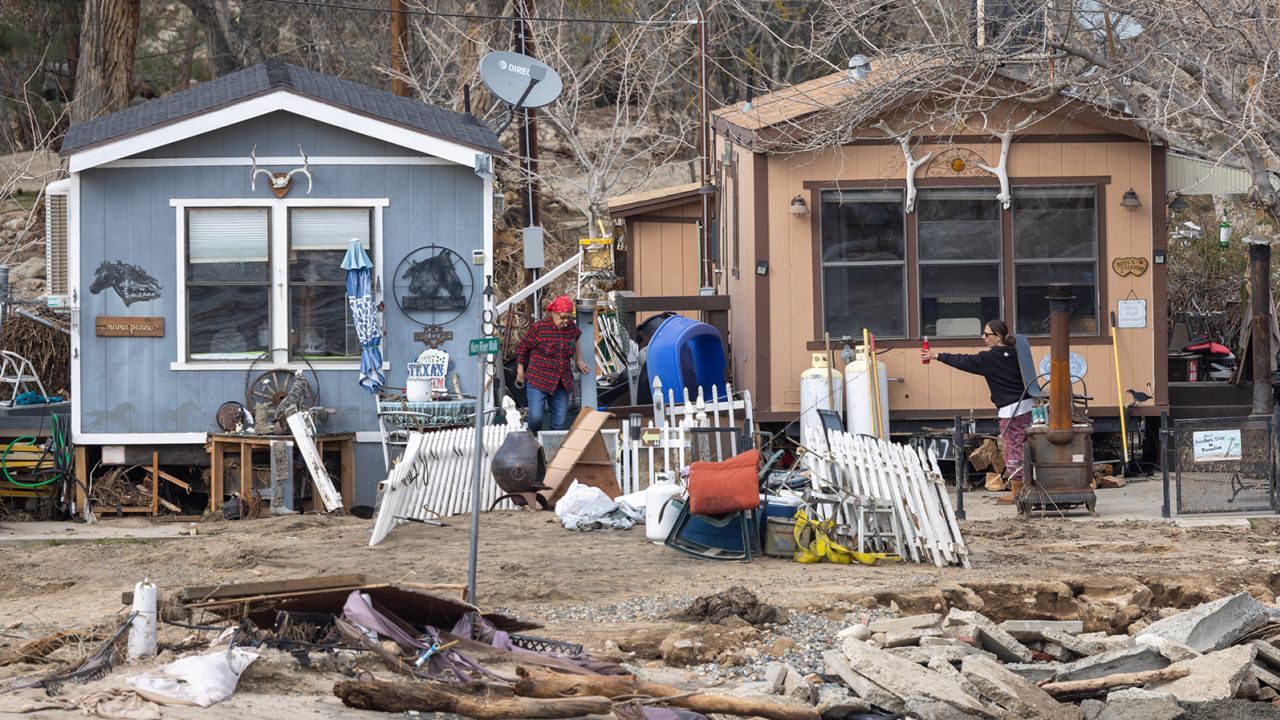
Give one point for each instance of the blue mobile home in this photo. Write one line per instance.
(189, 272)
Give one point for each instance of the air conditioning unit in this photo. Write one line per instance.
(56, 239)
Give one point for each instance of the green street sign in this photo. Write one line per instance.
(483, 346)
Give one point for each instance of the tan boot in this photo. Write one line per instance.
(1015, 490)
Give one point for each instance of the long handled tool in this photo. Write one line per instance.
(1115, 357)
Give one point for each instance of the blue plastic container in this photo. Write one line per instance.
(686, 354)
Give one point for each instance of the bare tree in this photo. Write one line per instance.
(1199, 76)
(104, 74)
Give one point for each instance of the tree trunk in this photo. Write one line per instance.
(1094, 686)
(544, 684)
(104, 76)
(229, 48)
(476, 700)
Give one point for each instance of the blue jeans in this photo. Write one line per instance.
(559, 401)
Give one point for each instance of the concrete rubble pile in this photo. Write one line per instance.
(964, 665)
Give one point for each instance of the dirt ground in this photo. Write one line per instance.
(581, 584)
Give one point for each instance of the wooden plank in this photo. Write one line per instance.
(155, 481)
(82, 480)
(347, 474)
(216, 450)
(238, 600)
(171, 479)
(268, 587)
(305, 437)
(169, 506)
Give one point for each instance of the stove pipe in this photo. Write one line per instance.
(1059, 350)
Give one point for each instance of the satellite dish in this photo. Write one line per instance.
(520, 80)
(1075, 364)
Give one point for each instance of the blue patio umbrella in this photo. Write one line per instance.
(364, 315)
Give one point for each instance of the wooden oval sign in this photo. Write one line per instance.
(1135, 266)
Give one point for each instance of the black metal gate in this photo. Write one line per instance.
(1225, 465)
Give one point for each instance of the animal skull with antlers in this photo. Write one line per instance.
(279, 181)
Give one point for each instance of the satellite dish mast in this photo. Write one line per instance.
(519, 80)
(859, 68)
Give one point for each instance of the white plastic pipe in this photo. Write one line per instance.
(142, 631)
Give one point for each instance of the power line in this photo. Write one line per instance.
(432, 13)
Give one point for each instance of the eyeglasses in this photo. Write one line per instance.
(987, 334)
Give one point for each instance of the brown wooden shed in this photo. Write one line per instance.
(859, 254)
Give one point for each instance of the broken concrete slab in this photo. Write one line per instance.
(922, 691)
(1033, 672)
(1131, 659)
(1267, 653)
(775, 677)
(1090, 709)
(944, 641)
(949, 653)
(989, 635)
(943, 667)
(1074, 643)
(1176, 652)
(1025, 630)
(901, 638)
(1139, 704)
(1057, 652)
(837, 701)
(1264, 676)
(913, 622)
(797, 687)
(1213, 625)
(862, 686)
(1013, 693)
(1214, 677)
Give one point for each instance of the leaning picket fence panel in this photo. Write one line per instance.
(904, 482)
(433, 478)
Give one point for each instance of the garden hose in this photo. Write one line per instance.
(4, 466)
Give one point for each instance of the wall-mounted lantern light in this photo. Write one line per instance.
(1179, 203)
(1130, 200)
(798, 207)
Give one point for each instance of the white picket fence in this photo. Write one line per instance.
(907, 481)
(433, 478)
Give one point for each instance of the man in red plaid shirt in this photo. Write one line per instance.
(548, 349)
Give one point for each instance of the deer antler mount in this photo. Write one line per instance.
(280, 182)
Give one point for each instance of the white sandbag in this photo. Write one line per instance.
(197, 680)
(587, 508)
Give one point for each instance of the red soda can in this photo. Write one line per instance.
(924, 349)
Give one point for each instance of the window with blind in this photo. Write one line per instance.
(1055, 240)
(863, 235)
(320, 325)
(228, 283)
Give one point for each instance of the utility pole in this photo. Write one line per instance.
(1260, 342)
(529, 143)
(704, 114)
(398, 31)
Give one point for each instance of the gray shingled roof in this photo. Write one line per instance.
(270, 76)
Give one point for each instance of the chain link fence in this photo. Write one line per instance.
(1225, 465)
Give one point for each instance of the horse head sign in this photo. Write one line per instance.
(433, 285)
(131, 283)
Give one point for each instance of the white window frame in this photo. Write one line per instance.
(279, 220)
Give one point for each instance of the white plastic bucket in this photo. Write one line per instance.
(417, 389)
(659, 517)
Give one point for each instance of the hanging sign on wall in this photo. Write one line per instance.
(1135, 266)
(128, 326)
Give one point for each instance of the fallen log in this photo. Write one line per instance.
(1093, 686)
(476, 700)
(544, 684)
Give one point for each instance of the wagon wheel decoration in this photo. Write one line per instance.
(273, 386)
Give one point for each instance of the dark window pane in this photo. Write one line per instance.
(958, 225)
(228, 321)
(319, 238)
(956, 300)
(1054, 222)
(862, 226)
(319, 322)
(1033, 285)
(858, 297)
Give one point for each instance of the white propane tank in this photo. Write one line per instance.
(820, 389)
(859, 413)
(142, 630)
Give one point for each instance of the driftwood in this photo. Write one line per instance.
(543, 684)
(1096, 685)
(476, 700)
(38, 649)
